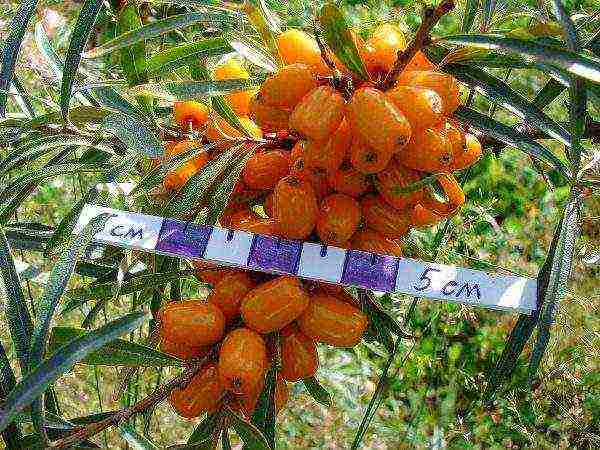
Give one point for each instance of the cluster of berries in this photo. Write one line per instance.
(351, 180)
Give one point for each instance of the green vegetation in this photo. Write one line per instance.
(436, 396)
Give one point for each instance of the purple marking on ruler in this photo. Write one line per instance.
(184, 239)
(371, 271)
(271, 253)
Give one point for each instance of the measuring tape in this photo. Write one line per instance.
(312, 261)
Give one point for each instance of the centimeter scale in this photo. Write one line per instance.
(313, 261)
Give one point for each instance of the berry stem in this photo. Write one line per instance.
(161, 393)
(431, 16)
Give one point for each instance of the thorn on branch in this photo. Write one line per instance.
(431, 16)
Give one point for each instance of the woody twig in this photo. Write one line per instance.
(431, 16)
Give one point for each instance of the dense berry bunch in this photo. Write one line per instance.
(350, 178)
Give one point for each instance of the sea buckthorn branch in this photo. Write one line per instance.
(160, 394)
(431, 16)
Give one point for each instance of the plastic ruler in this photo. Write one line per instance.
(313, 261)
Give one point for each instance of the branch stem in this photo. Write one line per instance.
(431, 16)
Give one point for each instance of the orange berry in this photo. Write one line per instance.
(422, 107)
(181, 350)
(466, 148)
(220, 132)
(381, 49)
(445, 85)
(228, 293)
(210, 273)
(296, 46)
(332, 321)
(242, 361)
(261, 226)
(240, 218)
(274, 304)
(380, 216)
(295, 207)
(319, 113)
(202, 394)
(421, 217)
(297, 151)
(348, 180)
(419, 62)
(176, 178)
(269, 118)
(393, 180)
(314, 176)
(190, 113)
(377, 122)
(287, 87)
(372, 241)
(232, 69)
(453, 193)
(429, 151)
(330, 155)
(195, 322)
(264, 169)
(338, 219)
(268, 204)
(299, 357)
(367, 159)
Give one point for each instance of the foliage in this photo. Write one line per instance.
(101, 121)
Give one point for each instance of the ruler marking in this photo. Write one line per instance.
(314, 261)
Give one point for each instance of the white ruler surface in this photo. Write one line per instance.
(313, 261)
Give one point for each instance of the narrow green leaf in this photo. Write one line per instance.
(317, 392)
(195, 191)
(9, 207)
(64, 229)
(23, 99)
(578, 64)
(558, 273)
(52, 59)
(106, 291)
(12, 434)
(48, 371)
(158, 28)
(175, 91)
(471, 8)
(79, 37)
(505, 366)
(489, 6)
(511, 137)
(264, 415)
(155, 175)
(265, 23)
(133, 58)
(378, 396)
(251, 436)
(548, 93)
(10, 49)
(337, 35)
(501, 93)
(199, 72)
(30, 151)
(220, 197)
(204, 429)
(17, 313)
(136, 440)
(37, 175)
(247, 48)
(135, 134)
(166, 61)
(57, 283)
(569, 30)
